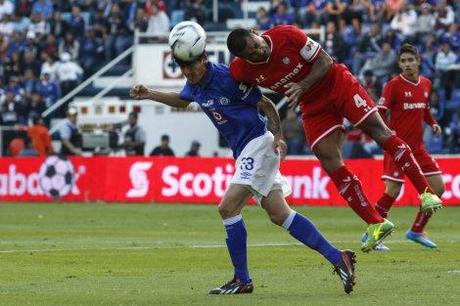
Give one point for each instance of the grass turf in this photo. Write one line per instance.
(136, 254)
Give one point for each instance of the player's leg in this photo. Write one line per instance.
(302, 229)
(433, 174)
(392, 190)
(349, 186)
(230, 207)
(401, 153)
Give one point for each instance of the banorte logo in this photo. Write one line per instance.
(139, 179)
(14, 183)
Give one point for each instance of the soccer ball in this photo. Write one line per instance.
(187, 41)
(56, 176)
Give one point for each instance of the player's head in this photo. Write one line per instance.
(249, 45)
(195, 70)
(409, 60)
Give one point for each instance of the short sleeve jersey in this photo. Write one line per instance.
(231, 106)
(408, 103)
(291, 59)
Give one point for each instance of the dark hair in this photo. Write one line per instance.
(133, 113)
(408, 48)
(182, 63)
(165, 137)
(236, 41)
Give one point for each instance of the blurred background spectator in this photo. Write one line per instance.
(163, 149)
(48, 46)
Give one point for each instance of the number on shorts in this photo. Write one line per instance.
(360, 102)
(247, 163)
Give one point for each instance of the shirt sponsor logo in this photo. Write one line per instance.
(288, 77)
(409, 106)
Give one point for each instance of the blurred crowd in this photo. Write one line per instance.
(47, 47)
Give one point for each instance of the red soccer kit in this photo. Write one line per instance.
(338, 94)
(409, 107)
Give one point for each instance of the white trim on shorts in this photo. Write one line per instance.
(431, 173)
(390, 178)
(327, 133)
(375, 109)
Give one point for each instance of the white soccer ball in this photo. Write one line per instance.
(56, 176)
(187, 41)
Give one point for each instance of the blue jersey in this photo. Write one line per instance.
(231, 106)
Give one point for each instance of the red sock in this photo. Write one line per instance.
(420, 221)
(351, 190)
(384, 204)
(402, 156)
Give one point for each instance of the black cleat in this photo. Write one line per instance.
(346, 270)
(235, 286)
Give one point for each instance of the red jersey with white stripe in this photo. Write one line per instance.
(409, 107)
(291, 59)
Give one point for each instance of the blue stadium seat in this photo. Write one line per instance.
(176, 17)
(454, 102)
(435, 145)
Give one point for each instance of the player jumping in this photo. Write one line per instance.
(289, 62)
(233, 109)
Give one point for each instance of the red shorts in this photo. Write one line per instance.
(427, 164)
(343, 97)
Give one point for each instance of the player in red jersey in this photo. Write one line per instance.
(289, 62)
(406, 97)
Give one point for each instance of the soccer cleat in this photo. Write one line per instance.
(421, 238)
(345, 269)
(235, 286)
(430, 202)
(379, 248)
(375, 234)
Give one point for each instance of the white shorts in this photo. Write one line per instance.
(258, 168)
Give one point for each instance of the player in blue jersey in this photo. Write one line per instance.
(257, 146)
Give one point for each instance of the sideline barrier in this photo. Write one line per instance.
(195, 180)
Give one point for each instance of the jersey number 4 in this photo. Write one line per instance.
(360, 102)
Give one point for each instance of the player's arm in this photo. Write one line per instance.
(172, 99)
(431, 121)
(320, 67)
(273, 124)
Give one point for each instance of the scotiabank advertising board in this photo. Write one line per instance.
(185, 180)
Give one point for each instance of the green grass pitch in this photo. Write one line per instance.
(137, 254)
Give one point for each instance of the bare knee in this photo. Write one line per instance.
(439, 189)
(227, 210)
(330, 159)
(278, 218)
(393, 189)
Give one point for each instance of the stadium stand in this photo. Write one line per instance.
(36, 37)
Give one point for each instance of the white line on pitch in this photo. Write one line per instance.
(193, 246)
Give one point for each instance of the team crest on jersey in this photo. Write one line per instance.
(260, 79)
(286, 60)
(224, 101)
(408, 94)
(381, 101)
(426, 94)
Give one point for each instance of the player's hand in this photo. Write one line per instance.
(139, 92)
(280, 146)
(437, 130)
(293, 93)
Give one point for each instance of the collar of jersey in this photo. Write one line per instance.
(409, 81)
(269, 40)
